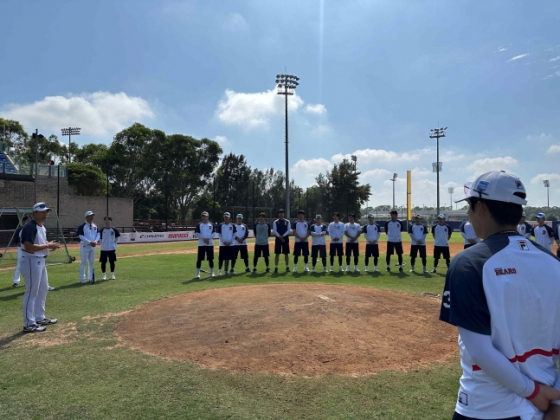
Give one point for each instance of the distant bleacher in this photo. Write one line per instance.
(7, 165)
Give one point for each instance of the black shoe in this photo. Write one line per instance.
(276, 270)
(248, 270)
(15, 285)
(268, 270)
(34, 328)
(401, 269)
(287, 269)
(254, 270)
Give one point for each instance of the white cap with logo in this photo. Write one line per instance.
(496, 186)
(89, 213)
(41, 207)
(441, 216)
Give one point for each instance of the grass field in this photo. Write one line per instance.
(76, 370)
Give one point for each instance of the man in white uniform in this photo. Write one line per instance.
(318, 233)
(240, 243)
(352, 230)
(418, 233)
(503, 297)
(467, 232)
(301, 244)
(89, 237)
(544, 235)
(205, 232)
(336, 231)
(524, 228)
(35, 249)
(371, 232)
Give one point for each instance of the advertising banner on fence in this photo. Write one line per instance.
(140, 237)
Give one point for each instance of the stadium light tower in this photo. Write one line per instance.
(394, 179)
(546, 183)
(70, 131)
(450, 190)
(286, 85)
(437, 133)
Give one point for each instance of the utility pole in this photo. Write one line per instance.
(70, 131)
(394, 179)
(546, 183)
(286, 85)
(437, 133)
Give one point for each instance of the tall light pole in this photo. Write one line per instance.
(546, 183)
(450, 190)
(286, 84)
(437, 133)
(70, 131)
(394, 179)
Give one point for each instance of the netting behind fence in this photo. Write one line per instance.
(8, 255)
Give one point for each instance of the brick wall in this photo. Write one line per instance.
(14, 193)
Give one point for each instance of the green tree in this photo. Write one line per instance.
(86, 180)
(92, 154)
(12, 133)
(233, 181)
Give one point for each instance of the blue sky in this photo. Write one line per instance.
(376, 76)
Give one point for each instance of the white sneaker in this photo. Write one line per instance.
(198, 276)
(295, 269)
(340, 269)
(306, 269)
(367, 268)
(219, 272)
(104, 276)
(212, 274)
(375, 269)
(356, 269)
(312, 270)
(347, 268)
(434, 270)
(51, 288)
(113, 277)
(412, 270)
(332, 269)
(424, 270)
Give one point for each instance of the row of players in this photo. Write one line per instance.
(233, 236)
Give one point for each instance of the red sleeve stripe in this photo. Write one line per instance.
(523, 358)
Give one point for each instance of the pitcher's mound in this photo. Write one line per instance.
(306, 329)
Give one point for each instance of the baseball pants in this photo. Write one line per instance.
(87, 254)
(17, 273)
(34, 272)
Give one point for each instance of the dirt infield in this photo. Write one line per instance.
(307, 329)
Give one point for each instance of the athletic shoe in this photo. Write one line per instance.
(288, 269)
(295, 269)
(306, 269)
(113, 277)
(388, 268)
(219, 272)
(340, 269)
(254, 270)
(247, 270)
(212, 274)
(198, 276)
(367, 268)
(332, 269)
(434, 270)
(92, 281)
(83, 281)
(412, 270)
(51, 288)
(15, 285)
(34, 328)
(104, 276)
(324, 269)
(424, 270)
(375, 269)
(276, 270)
(46, 321)
(232, 271)
(356, 269)
(268, 270)
(347, 268)
(312, 270)
(401, 269)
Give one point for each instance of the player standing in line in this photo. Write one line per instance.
(226, 231)
(467, 232)
(524, 228)
(503, 297)
(301, 245)
(240, 243)
(17, 241)
(544, 234)
(393, 229)
(281, 229)
(89, 237)
(371, 232)
(352, 230)
(109, 237)
(336, 232)
(205, 232)
(418, 233)
(262, 233)
(558, 240)
(441, 233)
(318, 233)
(35, 250)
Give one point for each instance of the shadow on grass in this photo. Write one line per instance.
(4, 342)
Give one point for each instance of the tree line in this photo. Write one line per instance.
(176, 176)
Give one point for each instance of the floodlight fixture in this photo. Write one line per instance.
(70, 131)
(437, 133)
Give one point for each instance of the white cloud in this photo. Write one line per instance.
(517, 57)
(374, 173)
(97, 114)
(540, 137)
(555, 59)
(318, 109)
(553, 178)
(381, 156)
(550, 76)
(554, 148)
(222, 140)
(481, 166)
(236, 23)
(502, 49)
(305, 171)
(321, 130)
(253, 110)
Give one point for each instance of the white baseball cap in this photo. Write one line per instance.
(41, 207)
(89, 213)
(204, 213)
(417, 216)
(540, 216)
(370, 215)
(496, 186)
(239, 216)
(227, 214)
(441, 216)
(318, 216)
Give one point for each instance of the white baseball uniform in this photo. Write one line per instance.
(87, 233)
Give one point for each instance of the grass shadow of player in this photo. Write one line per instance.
(5, 341)
(13, 296)
(74, 286)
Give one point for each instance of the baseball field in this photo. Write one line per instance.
(159, 343)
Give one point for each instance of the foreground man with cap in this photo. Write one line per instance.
(89, 237)
(503, 297)
(544, 234)
(35, 249)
